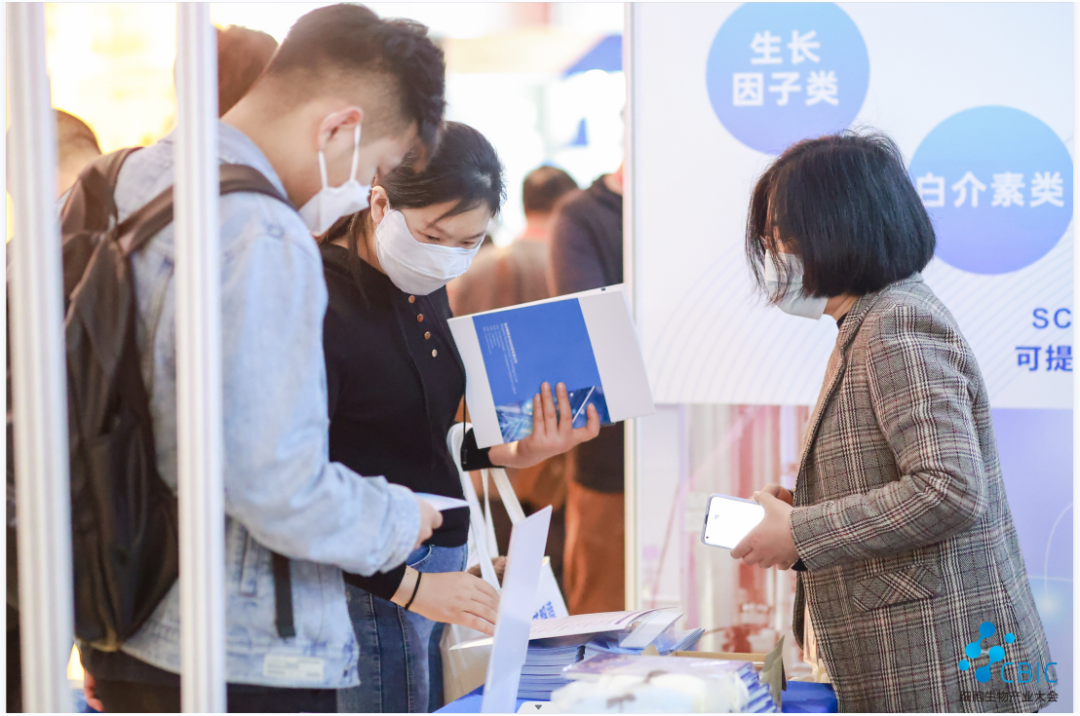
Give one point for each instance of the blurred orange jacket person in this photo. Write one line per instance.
(586, 253)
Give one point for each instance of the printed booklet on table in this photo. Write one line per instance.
(585, 340)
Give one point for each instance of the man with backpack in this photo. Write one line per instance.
(346, 95)
(76, 146)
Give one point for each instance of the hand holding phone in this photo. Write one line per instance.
(729, 519)
(770, 543)
(779, 492)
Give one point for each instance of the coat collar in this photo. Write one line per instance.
(838, 360)
(858, 313)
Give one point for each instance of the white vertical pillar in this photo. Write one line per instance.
(632, 428)
(1076, 383)
(40, 393)
(198, 366)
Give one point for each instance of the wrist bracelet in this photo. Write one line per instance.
(416, 589)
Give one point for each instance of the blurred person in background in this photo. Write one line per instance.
(242, 56)
(541, 192)
(587, 253)
(396, 382)
(346, 95)
(76, 146)
(507, 276)
(516, 273)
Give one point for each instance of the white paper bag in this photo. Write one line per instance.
(465, 669)
(549, 600)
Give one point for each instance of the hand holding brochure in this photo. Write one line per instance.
(585, 340)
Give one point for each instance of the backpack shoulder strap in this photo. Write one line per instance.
(90, 202)
(242, 178)
(142, 225)
(109, 166)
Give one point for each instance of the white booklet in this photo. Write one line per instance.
(580, 625)
(441, 502)
(586, 340)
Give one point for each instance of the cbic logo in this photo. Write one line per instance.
(984, 673)
(974, 650)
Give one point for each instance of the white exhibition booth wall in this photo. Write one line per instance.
(979, 98)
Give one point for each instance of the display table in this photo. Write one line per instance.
(801, 697)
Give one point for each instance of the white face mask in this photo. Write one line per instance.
(334, 202)
(415, 267)
(793, 300)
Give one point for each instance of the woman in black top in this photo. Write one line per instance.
(395, 383)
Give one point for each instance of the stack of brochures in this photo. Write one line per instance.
(545, 662)
(555, 644)
(662, 684)
(668, 642)
(543, 670)
(671, 641)
(558, 643)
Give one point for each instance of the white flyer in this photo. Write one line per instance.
(576, 625)
(441, 502)
(511, 641)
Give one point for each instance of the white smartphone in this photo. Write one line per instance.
(729, 519)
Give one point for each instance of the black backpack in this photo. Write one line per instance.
(125, 550)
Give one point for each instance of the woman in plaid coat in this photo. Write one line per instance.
(911, 579)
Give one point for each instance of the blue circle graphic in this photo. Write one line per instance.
(1010, 638)
(982, 674)
(964, 665)
(973, 650)
(781, 72)
(986, 630)
(997, 183)
(996, 654)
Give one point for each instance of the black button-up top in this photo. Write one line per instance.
(395, 381)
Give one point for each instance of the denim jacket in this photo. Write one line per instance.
(282, 493)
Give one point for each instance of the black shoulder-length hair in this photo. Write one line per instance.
(844, 203)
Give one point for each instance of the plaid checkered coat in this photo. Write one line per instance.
(902, 521)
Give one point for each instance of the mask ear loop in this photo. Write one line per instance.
(356, 152)
(322, 170)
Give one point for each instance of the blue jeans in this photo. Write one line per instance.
(399, 662)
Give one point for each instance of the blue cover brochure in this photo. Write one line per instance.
(524, 347)
(586, 341)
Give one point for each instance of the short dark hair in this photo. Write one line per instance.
(543, 188)
(242, 56)
(74, 138)
(844, 203)
(335, 41)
